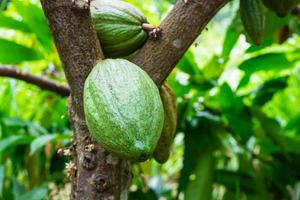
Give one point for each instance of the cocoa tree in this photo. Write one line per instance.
(97, 174)
(94, 175)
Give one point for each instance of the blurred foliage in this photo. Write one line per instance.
(238, 131)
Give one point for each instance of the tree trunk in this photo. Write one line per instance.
(96, 173)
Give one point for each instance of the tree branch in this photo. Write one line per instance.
(179, 29)
(44, 83)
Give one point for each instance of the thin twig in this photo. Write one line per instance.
(42, 82)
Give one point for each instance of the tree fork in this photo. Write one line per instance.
(179, 30)
(100, 175)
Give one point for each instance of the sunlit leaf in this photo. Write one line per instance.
(232, 35)
(36, 21)
(11, 23)
(13, 53)
(266, 62)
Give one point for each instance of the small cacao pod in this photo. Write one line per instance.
(253, 19)
(123, 109)
(162, 151)
(118, 26)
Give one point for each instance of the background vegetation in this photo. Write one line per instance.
(239, 122)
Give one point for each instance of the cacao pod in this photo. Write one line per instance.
(123, 109)
(281, 7)
(253, 19)
(162, 151)
(118, 26)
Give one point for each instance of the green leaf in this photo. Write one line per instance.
(188, 64)
(266, 62)
(2, 176)
(14, 141)
(236, 113)
(230, 178)
(267, 90)
(198, 140)
(274, 132)
(294, 123)
(201, 185)
(13, 53)
(3, 4)
(11, 23)
(139, 194)
(39, 193)
(232, 35)
(213, 68)
(34, 17)
(41, 141)
(33, 128)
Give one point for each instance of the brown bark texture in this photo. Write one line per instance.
(97, 174)
(179, 30)
(42, 82)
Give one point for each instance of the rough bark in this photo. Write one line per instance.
(96, 174)
(42, 82)
(99, 175)
(179, 29)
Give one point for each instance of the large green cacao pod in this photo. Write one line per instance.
(253, 18)
(119, 27)
(162, 150)
(281, 7)
(123, 109)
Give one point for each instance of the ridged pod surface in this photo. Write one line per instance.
(162, 151)
(119, 27)
(253, 18)
(281, 7)
(123, 109)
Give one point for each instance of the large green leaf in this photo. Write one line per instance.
(267, 90)
(11, 23)
(200, 138)
(188, 64)
(201, 186)
(274, 132)
(232, 35)
(213, 68)
(14, 141)
(34, 17)
(13, 53)
(236, 113)
(266, 62)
